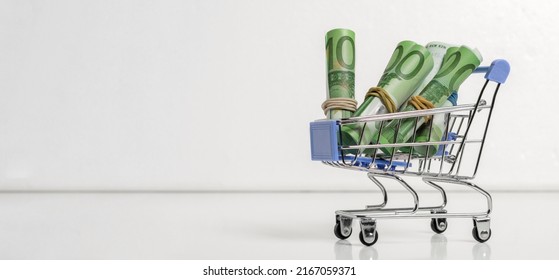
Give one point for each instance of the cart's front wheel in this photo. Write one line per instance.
(368, 242)
(338, 232)
(485, 235)
(439, 225)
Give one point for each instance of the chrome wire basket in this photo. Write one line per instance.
(454, 159)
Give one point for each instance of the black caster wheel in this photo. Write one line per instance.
(368, 243)
(338, 232)
(439, 225)
(479, 238)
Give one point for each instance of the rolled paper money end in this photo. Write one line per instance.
(336, 31)
(476, 52)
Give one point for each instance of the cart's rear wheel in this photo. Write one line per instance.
(439, 225)
(367, 243)
(479, 238)
(338, 232)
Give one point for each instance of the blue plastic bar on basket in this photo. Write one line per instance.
(380, 163)
(497, 72)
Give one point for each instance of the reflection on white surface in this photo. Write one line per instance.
(256, 226)
(481, 251)
(343, 250)
(368, 253)
(438, 247)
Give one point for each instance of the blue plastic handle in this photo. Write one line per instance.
(497, 72)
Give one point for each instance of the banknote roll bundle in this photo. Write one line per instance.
(340, 74)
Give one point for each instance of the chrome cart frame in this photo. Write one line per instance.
(460, 146)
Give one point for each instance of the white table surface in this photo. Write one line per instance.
(261, 226)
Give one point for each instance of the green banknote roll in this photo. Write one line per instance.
(408, 66)
(456, 67)
(340, 72)
(438, 127)
(448, 53)
(438, 52)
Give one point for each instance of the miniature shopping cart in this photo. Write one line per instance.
(456, 161)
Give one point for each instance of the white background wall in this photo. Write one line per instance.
(199, 95)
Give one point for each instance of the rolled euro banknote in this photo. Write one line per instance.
(409, 65)
(340, 74)
(437, 127)
(438, 52)
(456, 67)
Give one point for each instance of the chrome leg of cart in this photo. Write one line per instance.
(368, 216)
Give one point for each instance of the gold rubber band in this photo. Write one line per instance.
(384, 98)
(340, 103)
(420, 103)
